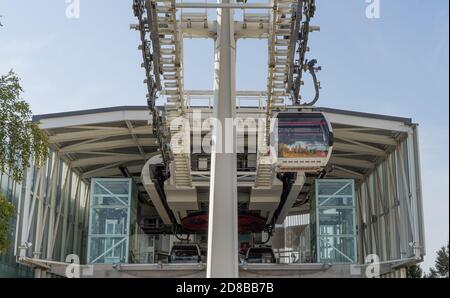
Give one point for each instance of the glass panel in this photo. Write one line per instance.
(335, 201)
(336, 221)
(109, 232)
(110, 221)
(335, 188)
(108, 250)
(337, 249)
(302, 135)
(106, 200)
(120, 187)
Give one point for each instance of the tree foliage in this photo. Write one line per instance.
(414, 272)
(433, 274)
(6, 211)
(441, 266)
(21, 139)
(442, 261)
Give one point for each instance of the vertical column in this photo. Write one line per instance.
(67, 197)
(54, 177)
(37, 273)
(76, 225)
(419, 195)
(223, 255)
(25, 213)
(40, 222)
(413, 172)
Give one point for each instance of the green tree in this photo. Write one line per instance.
(6, 211)
(21, 142)
(414, 272)
(440, 269)
(442, 261)
(433, 274)
(21, 139)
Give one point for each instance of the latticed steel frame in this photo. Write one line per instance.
(389, 206)
(52, 213)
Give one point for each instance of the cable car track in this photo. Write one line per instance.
(309, 144)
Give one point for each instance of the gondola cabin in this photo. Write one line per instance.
(302, 141)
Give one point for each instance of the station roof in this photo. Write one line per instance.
(101, 142)
(145, 108)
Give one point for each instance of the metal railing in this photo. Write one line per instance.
(290, 256)
(205, 99)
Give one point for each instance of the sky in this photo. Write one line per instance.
(397, 64)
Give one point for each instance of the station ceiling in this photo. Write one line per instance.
(103, 142)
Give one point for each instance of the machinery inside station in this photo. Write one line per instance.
(292, 150)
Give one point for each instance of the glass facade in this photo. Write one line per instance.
(112, 220)
(8, 265)
(334, 221)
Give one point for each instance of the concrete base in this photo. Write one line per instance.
(199, 271)
(46, 268)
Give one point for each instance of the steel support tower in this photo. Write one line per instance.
(163, 25)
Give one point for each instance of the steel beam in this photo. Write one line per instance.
(40, 221)
(52, 206)
(23, 215)
(94, 133)
(291, 198)
(341, 133)
(92, 119)
(352, 162)
(108, 159)
(418, 177)
(415, 214)
(359, 149)
(76, 236)
(108, 145)
(225, 5)
(223, 258)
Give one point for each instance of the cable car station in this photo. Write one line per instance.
(160, 190)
